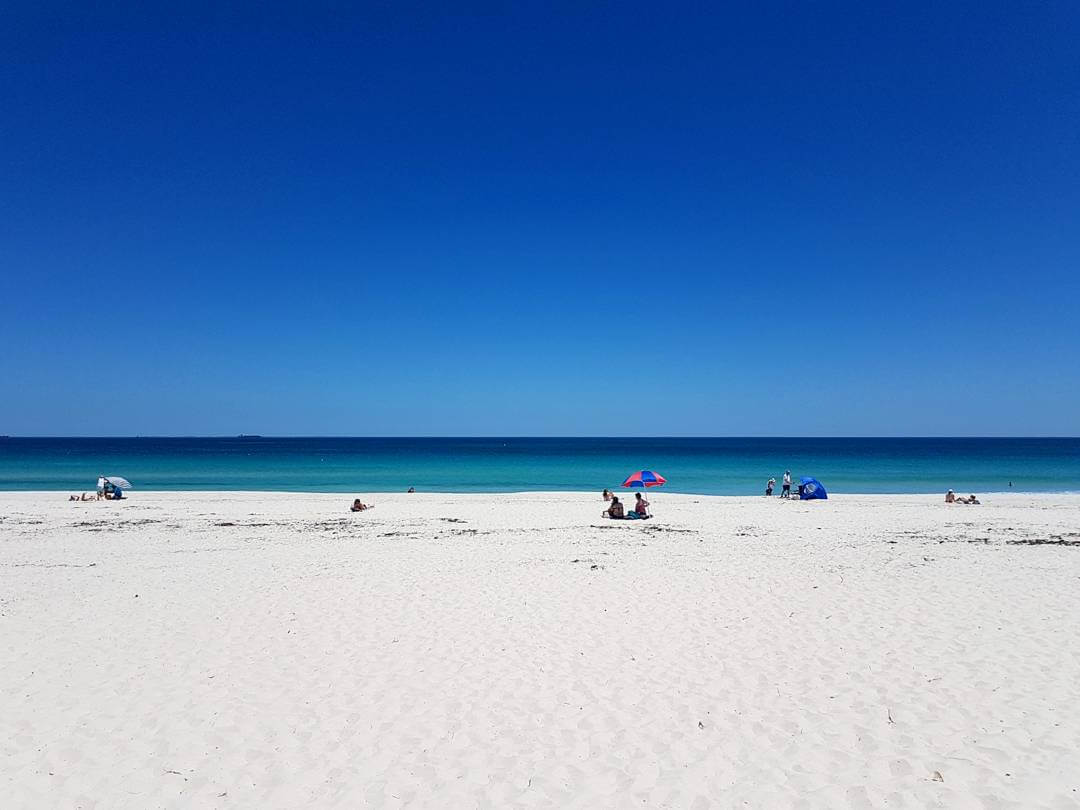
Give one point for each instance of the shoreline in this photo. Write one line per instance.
(700, 466)
(134, 494)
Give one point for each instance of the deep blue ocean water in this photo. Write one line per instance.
(728, 466)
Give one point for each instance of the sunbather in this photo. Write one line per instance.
(616, 510)
(357, 506)
(641, 506)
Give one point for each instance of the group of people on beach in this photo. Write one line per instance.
(616, 510)
(786, 491)
(106, 491)
(950, 497)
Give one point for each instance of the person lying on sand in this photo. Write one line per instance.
(615, 511)
(970, 499)
(357, 506)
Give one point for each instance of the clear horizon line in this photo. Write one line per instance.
(527, 436)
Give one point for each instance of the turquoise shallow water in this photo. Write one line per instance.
(730, 466)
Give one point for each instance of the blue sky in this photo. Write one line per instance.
(537, 219)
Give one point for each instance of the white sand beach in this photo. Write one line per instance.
(458, 651)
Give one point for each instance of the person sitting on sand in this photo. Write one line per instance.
(73, 498)
(615, 511)
(641, 506)
(950, 497)
(357, 506)
(410, 490)
(607, 495)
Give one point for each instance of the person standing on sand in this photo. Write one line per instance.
(786, 491)
(769, 486)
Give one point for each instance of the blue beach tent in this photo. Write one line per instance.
(812, 489)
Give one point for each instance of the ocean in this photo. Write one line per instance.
(723, 466)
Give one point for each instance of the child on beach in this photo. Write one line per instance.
(769, 486)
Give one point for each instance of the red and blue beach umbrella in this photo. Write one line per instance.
(644, 478)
